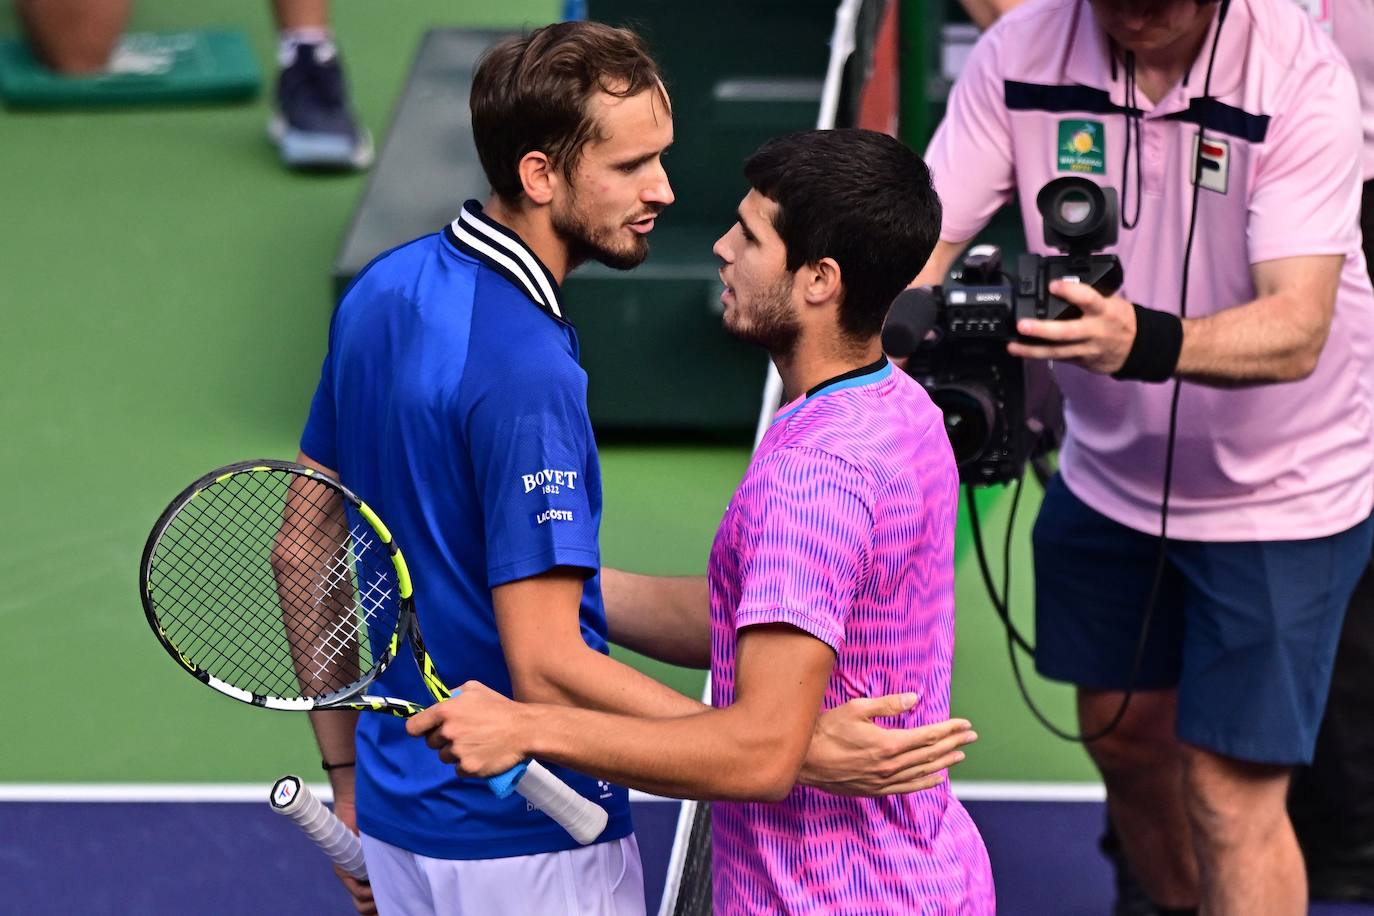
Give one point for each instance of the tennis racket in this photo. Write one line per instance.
(294, 799)
(275, 585)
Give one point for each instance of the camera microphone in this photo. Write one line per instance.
(911, 317)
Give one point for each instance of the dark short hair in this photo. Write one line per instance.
(857, 196)
(531, 92)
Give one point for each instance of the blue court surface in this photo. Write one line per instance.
(238, 857)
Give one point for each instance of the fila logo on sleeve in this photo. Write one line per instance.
(549, 481)
(1216, 163)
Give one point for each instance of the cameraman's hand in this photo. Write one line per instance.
(1099, 341)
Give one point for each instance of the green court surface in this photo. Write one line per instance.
(166, 292)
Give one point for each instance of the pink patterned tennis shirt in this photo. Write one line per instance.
(844, 528)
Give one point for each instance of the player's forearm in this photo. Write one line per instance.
(589, 679)
(550, 662)
(715, 754)
(1265, 341)
(663, 617)
(334, 733)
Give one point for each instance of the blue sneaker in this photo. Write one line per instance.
(312, 125)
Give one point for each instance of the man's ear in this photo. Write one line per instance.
(538, 177)
(821, 281)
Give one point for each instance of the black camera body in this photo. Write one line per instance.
(956, 336)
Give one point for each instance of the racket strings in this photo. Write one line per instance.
(213, 630)
(337, 622)
(204, 634)
(260, 581)
(372, 602)
(229, 643)
(337, 573)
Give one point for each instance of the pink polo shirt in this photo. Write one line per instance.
(1037, 100)
(1351, 25)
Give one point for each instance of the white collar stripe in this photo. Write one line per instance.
(534, 269)
(512, 269)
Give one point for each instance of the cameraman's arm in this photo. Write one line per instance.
(1277, 337)
(1303, 221)
(970, 155)
(941, 260)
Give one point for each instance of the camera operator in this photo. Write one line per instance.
(1247, 307)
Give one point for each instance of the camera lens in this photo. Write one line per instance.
(1074, 212)
(969, 415)
(1074, 206)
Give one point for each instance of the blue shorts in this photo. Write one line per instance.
(1245, 631)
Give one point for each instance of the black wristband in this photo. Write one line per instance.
(1154, 352)
(327, 766)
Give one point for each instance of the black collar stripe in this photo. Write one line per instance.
(490, 227)
(500, 261)
(473, 219)
(871, 369)
(1051, 98)
(1211, 114)
(518, 280)
(1224, 119)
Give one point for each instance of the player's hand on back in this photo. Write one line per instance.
(360, 891)
(850, 754)
(479, 731)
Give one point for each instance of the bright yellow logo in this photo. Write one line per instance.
(1082, 147)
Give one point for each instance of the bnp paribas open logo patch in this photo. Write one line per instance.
(1082, 147)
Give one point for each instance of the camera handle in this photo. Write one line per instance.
(1034, 273)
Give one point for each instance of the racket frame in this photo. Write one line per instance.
(352, 696)
(581, 817)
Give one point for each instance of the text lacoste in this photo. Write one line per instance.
(553, 515)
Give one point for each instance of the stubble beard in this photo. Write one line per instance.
(586, 243)
(773, 326)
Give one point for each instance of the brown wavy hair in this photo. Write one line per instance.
(532, 92)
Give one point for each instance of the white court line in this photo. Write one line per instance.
(252, 792)
(1030, 791)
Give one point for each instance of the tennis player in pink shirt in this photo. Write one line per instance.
(831, 576)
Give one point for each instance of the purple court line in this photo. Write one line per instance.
(118, 857)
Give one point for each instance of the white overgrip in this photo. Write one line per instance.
(293, 798)
(582, 818)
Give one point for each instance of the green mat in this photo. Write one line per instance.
(146, 67)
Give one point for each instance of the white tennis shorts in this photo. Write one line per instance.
(603, 879)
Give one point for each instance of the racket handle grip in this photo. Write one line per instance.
(581, 817)
(294, 799)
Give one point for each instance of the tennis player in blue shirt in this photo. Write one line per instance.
(451, 398)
